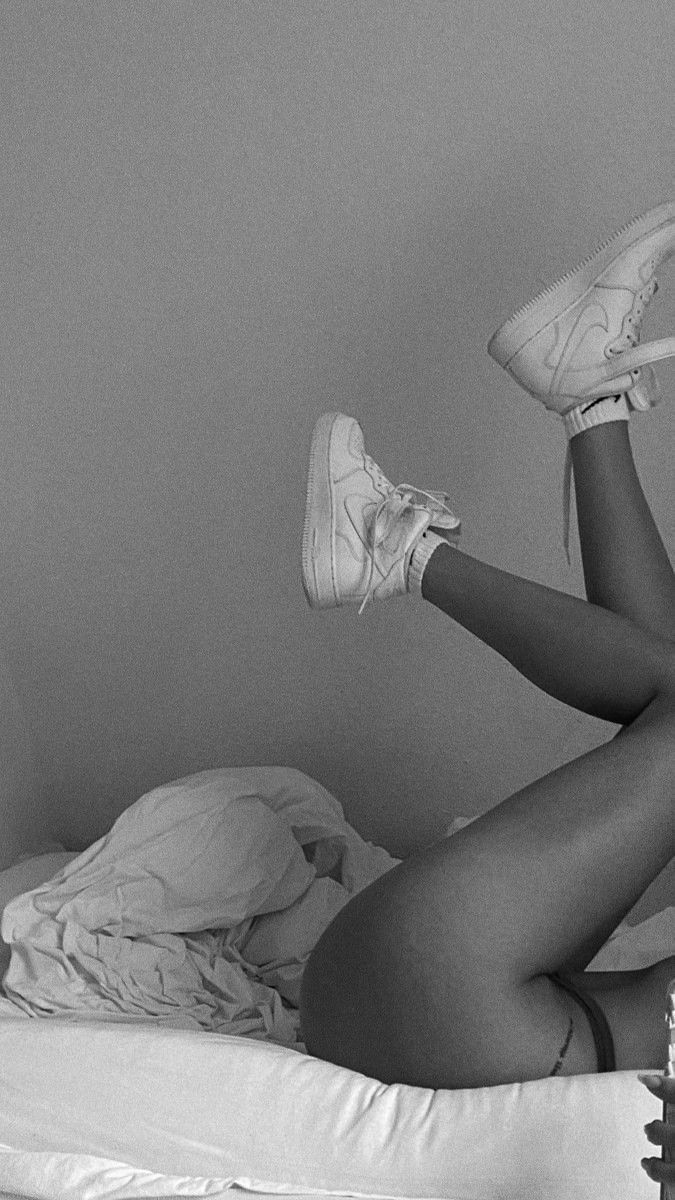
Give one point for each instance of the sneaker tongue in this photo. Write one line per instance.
(647, 391)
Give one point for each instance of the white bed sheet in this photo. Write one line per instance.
(198, 908)
(117, 1092)
(180, 1112)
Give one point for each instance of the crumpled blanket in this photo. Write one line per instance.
(198, 909)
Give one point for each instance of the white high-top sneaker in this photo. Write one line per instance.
(578, 340)
(360, 531)
(575, 346)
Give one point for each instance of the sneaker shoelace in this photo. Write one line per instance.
(388, 512)
(567, 503)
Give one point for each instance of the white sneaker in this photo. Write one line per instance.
(360, 531)
(578, 339)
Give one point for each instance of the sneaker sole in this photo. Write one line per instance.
(317, 571)
(550, 303)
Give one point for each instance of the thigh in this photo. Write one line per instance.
(393, 1008)
(438, 973)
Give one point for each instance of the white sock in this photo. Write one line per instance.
(423, 551)
(596, 412)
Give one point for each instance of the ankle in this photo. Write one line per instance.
(419, 560)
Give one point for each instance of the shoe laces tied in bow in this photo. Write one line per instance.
(388, 512)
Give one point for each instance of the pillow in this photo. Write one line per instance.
(169, 1112)
(31, 872)
(22, 877)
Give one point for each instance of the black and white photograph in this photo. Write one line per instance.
(337, 621)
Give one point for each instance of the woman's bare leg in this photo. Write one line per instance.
(626, 567)
(626, 570)
(586, 657)
(579, 653)
(444, 961)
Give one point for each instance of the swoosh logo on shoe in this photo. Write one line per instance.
(594, 316)
(354, 507)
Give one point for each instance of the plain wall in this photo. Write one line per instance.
(25, 817)
(222, 219)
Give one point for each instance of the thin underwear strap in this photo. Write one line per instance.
(602, 1034)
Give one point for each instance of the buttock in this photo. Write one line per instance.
(602, 1034)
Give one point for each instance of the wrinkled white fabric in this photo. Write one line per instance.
(198, 909)
(92, 1110)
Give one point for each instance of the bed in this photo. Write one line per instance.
(150, 1043)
